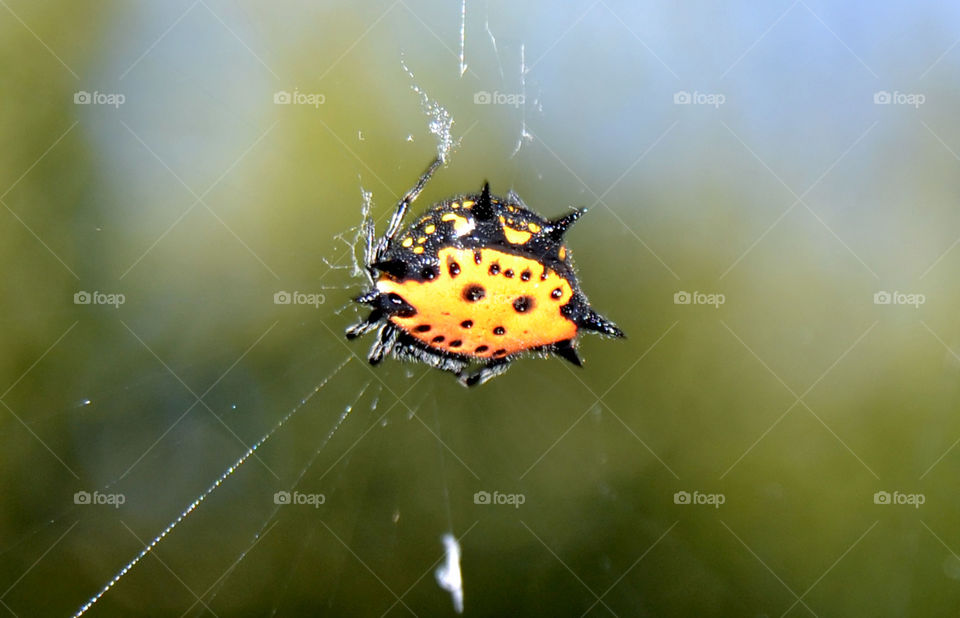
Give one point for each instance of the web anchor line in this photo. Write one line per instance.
(203, 496)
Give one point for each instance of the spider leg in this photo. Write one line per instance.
(408, 350)
(369, 232)
(487, 372)
(386, 339)
(513, 198)
(394, 226)
(365, 326)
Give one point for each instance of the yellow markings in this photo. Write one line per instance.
(456, 205)
(467, 203)
(418, 249)
(533, 227)
(421, 240)
(430, 229)
(460, 224)
(562, 254)
(407, 242)
(516, 237)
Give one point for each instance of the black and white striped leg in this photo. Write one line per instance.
(487, 372)
(394, 226)
(386, 339)
(365, 326)
(409, 350)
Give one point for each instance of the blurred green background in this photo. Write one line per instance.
(799, 159)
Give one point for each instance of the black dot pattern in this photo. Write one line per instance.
(473, 293)
(523, 304)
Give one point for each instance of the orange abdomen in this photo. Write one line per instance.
(485, 303)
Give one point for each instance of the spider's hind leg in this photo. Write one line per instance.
(410, 350)
(487, 372)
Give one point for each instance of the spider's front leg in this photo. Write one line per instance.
(394, 226)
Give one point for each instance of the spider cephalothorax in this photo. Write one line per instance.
(478, 279)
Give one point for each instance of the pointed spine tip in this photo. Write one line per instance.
(559, 226)
(483, 209)
(566, 351)
(595, 322)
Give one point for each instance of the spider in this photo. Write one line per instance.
(472, 285)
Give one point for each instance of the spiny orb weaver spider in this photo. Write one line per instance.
(477, 280)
